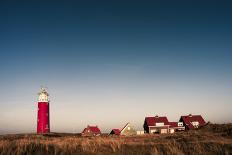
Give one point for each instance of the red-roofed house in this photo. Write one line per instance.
(115, 132)
(156, 124)
(91, 131)
(192, 121)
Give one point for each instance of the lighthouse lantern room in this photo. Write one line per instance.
(43, 122)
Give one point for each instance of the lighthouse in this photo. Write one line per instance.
(43, 119)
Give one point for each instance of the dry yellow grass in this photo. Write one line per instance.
(213, 139)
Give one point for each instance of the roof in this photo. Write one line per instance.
(93, 129)
(151, 121)
(116, 131)
(193, 118)
(173, 124)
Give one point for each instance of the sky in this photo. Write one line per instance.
(107, 63)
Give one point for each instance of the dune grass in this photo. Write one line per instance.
(212, 139)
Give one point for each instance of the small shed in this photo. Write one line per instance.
(115, 132)
(91, 131)
(140, 132)
(128, 130)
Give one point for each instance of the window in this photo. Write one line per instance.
(195, 124)
(159, 124)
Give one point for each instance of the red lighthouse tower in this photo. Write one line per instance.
(43, 122)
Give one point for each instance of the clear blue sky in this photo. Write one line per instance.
(113, 62)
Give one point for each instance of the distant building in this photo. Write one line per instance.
(128, 130)
(115, 132)
(91, 131)
(140, 132)
(192, 121)
(156, 124)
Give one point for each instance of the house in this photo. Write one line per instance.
(156, 124)
(192, 121)
(176, 126)
(128, 130)
(115, 132)
(91, 131)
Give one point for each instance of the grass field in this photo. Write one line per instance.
(211, 139)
